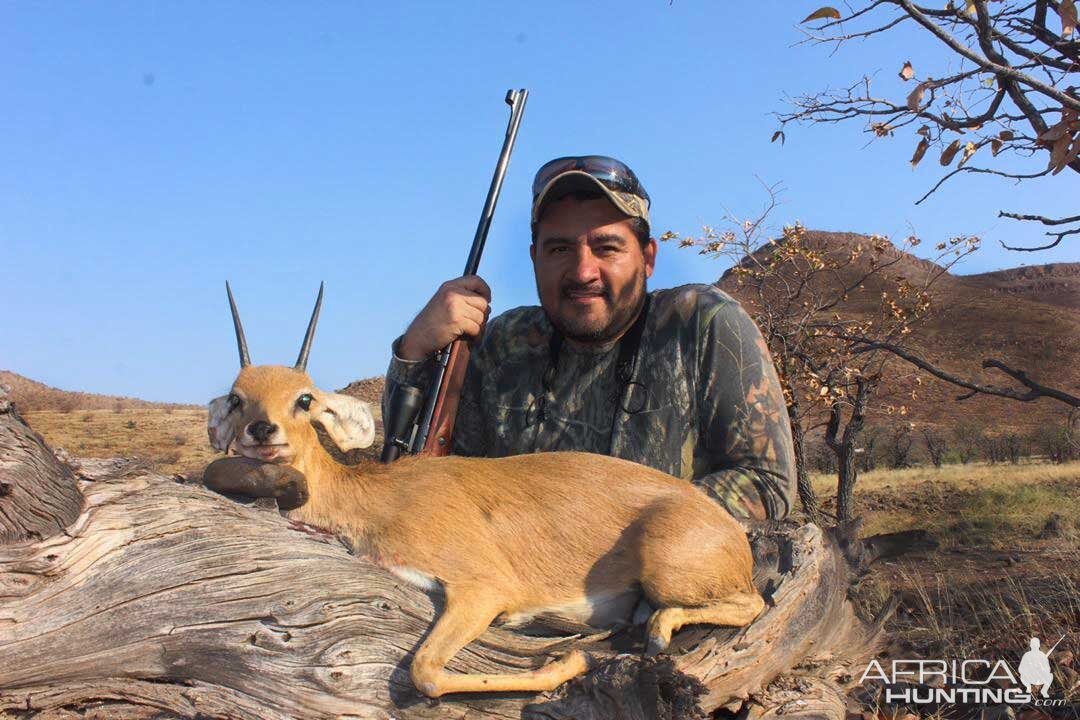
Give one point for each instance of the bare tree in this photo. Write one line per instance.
(1005, 103)
(899, 447)
(801, 291)
(868, 455)
(937, 445)
(1053, 442)
(966, 439)
(1013, 446)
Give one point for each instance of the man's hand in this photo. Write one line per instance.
(459, 309)
(244, 476)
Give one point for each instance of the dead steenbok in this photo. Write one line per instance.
(572, 535)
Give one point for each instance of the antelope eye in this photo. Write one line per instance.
(234, 401)
(304, 402)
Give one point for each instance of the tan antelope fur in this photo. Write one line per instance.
(567, 534)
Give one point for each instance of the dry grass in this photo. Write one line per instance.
(173, 441)
(996, 506)
(1005, 569)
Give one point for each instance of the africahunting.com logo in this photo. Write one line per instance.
(919, 682)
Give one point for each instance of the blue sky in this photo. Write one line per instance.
(150, 151)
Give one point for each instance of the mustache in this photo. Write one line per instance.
(597, 288)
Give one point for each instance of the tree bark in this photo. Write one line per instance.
(162, 598)
(807, 495)
(843, 445)
(38, 495)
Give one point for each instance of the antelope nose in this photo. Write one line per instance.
(261, 430)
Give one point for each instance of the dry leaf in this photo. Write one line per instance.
(881, 129)
(915, 98)
(969, 7)
(823, 13)
(1074, 152)
(1054, 133)
(924, 131)
(1062, 154)
(778, 134)
(1067, 11)
(969, 150)
(1006, 135)
(1058, 153)
(950, 153)
(920, 150)
(995, 146)
(907, 72)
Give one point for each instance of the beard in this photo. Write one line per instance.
(619, 312)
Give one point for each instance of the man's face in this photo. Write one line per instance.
(590, 269)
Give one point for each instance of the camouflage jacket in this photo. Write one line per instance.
(709, 406)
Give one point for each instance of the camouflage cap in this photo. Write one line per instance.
(619, 185)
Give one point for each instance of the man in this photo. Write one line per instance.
(1035, 669)
(680, 379)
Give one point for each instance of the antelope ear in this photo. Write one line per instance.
(347, 420)
(221, 424)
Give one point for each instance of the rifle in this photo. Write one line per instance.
(433, 434)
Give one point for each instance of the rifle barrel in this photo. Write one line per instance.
(516, 100)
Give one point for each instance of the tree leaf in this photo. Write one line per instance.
(995, 146)
(881, 129)
(823, 13)
(969, 150)
(924, 131)
(920, 150)
(1059, 153)
(915, 98)
(950, 153)
(1073, 153)
(1067, 11)
(969, 7)
(1054, 133)
(778, 134)
(907, 72)
(1006, 135)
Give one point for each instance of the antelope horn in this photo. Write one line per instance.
(241, 343)
(305, 349)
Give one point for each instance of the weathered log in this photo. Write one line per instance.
(38, 495)
(165, 598)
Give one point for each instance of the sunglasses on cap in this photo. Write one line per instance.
(613, 174)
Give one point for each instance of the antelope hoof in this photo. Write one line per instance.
(290, 486)
(655, 645)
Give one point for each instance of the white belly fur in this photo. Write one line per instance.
(415, 577)
(594, 610)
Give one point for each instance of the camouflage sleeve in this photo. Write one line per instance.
(744, 423)
(417, 373)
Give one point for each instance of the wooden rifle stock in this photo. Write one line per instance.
(441, 433)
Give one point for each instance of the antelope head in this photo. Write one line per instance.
(269, 411)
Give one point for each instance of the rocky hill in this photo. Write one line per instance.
(1053, 284)
(1027, 317)
(33, 396)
